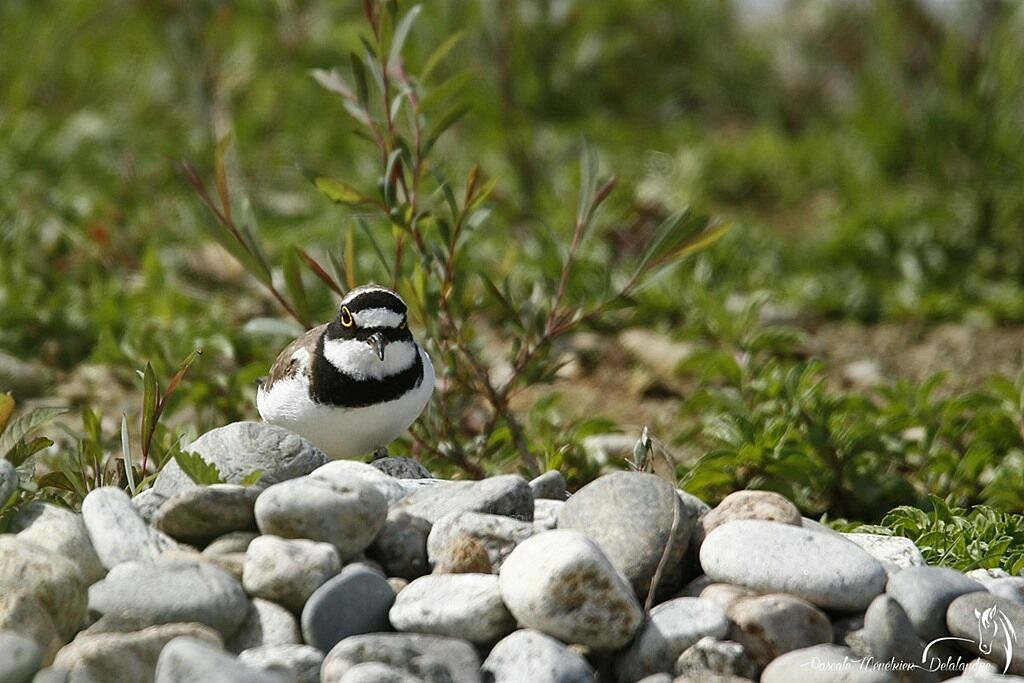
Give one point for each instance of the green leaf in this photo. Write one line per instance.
(444, 123)
(252, 478)
(359, 75)
(440, 53)
(350, 258)
(340, 192)
(221, 176)
(150, 392)
(7, 404)
(126, 454)
(401, 33)
(19, 428)
(588, 183)
(197, 469)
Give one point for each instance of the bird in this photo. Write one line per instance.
(354, 384)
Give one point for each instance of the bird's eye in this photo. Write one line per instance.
(346, 317)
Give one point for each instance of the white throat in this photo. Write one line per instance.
(358, 360)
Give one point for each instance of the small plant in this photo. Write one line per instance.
(977, 538)
(420, 225)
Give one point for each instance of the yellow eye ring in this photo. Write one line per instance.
(346, 317)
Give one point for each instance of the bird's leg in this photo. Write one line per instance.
(380, 452)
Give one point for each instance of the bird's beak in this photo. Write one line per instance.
(378, 342)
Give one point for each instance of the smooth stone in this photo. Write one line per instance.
(550, 485)
(199, 515)
(375, 672)
(232, 542)
(62, 531)
(51, 675)
(300, 663)
(1011, 588)
(20, 657)
(462, 554)
(974, 615)
(764, 505)
(630, 516)
(925, 594)
(466, 606)
(891, 637)
(608, 448)
(342, 471)
(238, 450)
(561, 583)
(850, 632)
(402, 468)
(118, 532)
(529, 655)
(266, 623)
(771, 625)
(9, 480)
(401, 545)
(287, 571)
(545, 513)
(354, 602)
(124, 656)
(709, 654)
(725, 595)
(26, 615)
(822, 664)
(347, 515)
(894, 552)
(187, 660)
(497, 534)
(434, 658)
(669, 629)
(826, 570)
(51, 579)
(170, 591)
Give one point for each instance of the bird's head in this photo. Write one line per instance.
(371, 319)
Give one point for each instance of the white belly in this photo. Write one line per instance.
(344, 432)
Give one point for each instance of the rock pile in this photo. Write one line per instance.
(343, 572)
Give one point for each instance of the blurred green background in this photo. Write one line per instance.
(870, 156)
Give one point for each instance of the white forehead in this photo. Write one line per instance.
(377, 317)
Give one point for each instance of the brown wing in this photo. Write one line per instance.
(287, 365)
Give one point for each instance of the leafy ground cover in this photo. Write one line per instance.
(867, 159)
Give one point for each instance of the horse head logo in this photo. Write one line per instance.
(995, 627)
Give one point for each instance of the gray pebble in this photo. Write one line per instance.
(188, 660)
(559, 582)
(631, 515)
(466, 606)
(233, 542)
(822, 664)
(925, 593)
(117, 530)
(709, 654)
(433, 658)
(497, 534)
(301, 663)
(62, 531)
(347, 515)
(287, 571)
(238, 450)
(124, 656)
(8, 480)
(550, 485)
(266, 623)
(402, 468)
(198, 515)
(354, 602)
(770, 625)
(821, 568)
(529, 655)
(169, 591)
(20, 657)
(669, 629)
